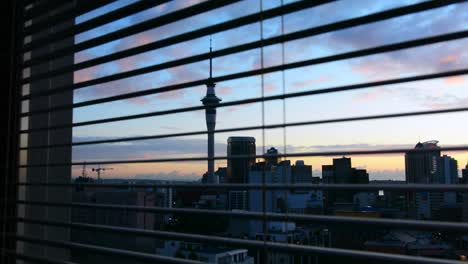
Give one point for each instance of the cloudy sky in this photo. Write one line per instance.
(449, 129)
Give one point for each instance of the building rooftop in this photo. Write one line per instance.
(241, 139)
(427, 144)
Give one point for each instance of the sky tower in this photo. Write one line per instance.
(210, 101)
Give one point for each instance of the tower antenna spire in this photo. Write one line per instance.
(211, 60)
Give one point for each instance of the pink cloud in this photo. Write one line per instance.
(366, 97)
(224, 90)
(177, 94)
(187, 73)
(454, 80)
(181, 50)
(364, 68)
(270, 87)
(143, 39)
(370, 96)
(378, 67)
(299, 85)
(142, 101)
(84, 75)
(232, 109)
(127, 64)
(199, 90)
(448, 59)
(82, 56)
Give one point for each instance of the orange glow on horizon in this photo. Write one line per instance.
(195, 170)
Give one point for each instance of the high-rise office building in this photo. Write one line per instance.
(271, 158)
(327, 178)
(298, 202)
(327, 173)
(464, 178)
(449, 175)
(238, 168)
(422, 165)
(301, 173)
(238, 200)
(464, 195)
(360, 176)
(341, 172)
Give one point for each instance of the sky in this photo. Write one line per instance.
(449, 129)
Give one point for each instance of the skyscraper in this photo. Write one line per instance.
(465, 174)
(272, 157)
(301, 173)
(210, 101)
(238, 168)
(343, 173)
(422, 165)
(464, 195)
(449, 175)
(360, 176)
(327, 178)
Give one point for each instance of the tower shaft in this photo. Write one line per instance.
(211, 175)
(210, 115)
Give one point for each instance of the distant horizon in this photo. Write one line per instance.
(395, 173)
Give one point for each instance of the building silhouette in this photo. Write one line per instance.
(238, 168)
(464, 195)
(464, 178)
(272, 158)
(425, 165)
(301, 173)
(341, 172)
(449, 175)
(421, 164)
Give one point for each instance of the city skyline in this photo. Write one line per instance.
(396, 174)
(415, 96)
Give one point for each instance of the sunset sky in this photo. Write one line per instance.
(449, 129)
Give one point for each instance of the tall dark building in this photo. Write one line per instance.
(327, 174)
(272, 157)
(422, 165)
(360, 176)
(327, 178)
(341, 172)
(465, 175)
(301, 173)
(238, 168)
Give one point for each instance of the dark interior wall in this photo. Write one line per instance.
(9, 123)
(10, 109)
(56, 174)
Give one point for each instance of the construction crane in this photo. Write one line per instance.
(98, 171)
